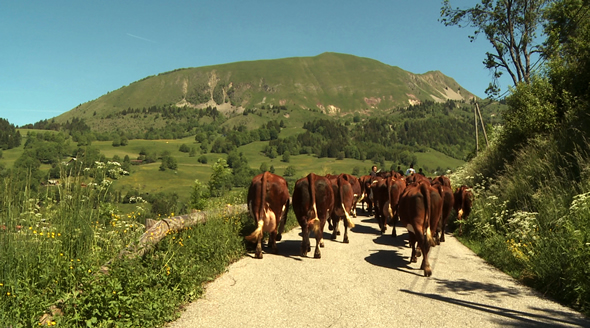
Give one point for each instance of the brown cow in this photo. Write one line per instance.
(414, 213)
(343, 201)
(380, 191)
(313, 201)
(367, 196)
(463, 201)
(356, 191)
(448, 203)
(396, 187)
(268, 203)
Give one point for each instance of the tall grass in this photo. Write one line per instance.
(533, 219)
(53, 244)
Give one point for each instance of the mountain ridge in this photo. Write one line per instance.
(333, 83)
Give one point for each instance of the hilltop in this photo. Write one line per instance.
(331, 83)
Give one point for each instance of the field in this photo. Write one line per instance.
(148, 178)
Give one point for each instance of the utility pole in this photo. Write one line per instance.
(483, 127)
(476, 135)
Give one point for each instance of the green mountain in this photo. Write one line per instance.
(332, 83)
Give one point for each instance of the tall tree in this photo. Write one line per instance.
(510, 26)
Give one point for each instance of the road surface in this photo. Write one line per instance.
(369, 283)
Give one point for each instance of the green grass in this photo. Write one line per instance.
(51, 253)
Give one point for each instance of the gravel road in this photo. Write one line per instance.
(369, 283)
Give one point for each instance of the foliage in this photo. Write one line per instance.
(9, 136)
(220, 181)
(290, 171)
(510, 27)
(199, 196)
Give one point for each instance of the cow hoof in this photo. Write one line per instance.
(338, 233)
(427, 272)
(317, 255)
(345, 241)
(279, 237)
(258, 255)
(322, 244)
(330, 227)
(333, 236)
(413, 260)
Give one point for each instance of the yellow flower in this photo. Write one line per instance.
(114, 292)
(89, 271)
(1, 284)
(61, 254)
(30, 228)
(35, 232)
(71, 267)
(7, 293)
(58, 234)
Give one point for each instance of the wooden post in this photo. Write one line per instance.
(483, 127)
(476, 135)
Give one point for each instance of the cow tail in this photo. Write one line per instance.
(426, 192)
(389, 209)
(349, 222)
(283, 221)
(257, 234)
(312, 213)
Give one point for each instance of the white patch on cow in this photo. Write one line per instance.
(315, 211)
(410, 228)
(270, 219)
(460, 214)
(349, 222)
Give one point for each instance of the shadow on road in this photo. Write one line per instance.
(464, 287)
(523, 319)
(391, 259)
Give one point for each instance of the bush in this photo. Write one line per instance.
(202, 159)
(290, 171)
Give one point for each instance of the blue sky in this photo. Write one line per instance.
(58, 54)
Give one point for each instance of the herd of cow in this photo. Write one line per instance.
(422, 204)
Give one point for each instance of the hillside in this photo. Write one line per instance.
(330, 83)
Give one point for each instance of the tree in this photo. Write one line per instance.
(263, 167)
(510, 26)
(290, 171)
(286, 156)
(199, 196)
(220, 181)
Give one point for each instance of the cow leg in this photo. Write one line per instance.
(318, 243)
(272, 242)
(424, 246)
(336, 230)
(393, 224)
(345, 234)
(412, 241)
(258, 253)
(305, 247)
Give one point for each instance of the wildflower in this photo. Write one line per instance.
(35, 232)
(30, 228)
(71, 267)
(7, 293)
(114, 292)
(61, 254)
(1, 284)
(89, 271)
